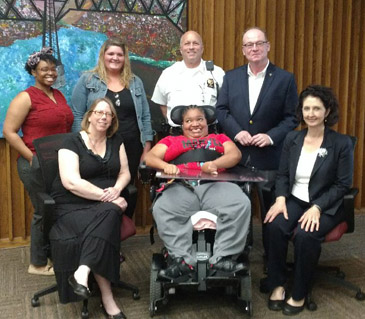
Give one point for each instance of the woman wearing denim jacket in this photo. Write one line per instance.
(113, 78)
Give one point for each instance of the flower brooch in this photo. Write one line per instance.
(322, 152)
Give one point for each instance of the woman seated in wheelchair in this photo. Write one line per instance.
(85, 237)
(180, 200)
(315, 173)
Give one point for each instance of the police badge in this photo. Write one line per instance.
(210, 83)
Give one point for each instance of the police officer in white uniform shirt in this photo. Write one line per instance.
(189, 82)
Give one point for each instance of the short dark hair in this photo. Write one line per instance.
(42, 57)
(178, 112)
(328, 98)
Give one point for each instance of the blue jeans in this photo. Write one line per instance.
(31, 176)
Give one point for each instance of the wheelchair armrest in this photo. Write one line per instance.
(349, 207)
(147, 174)
(246, 187)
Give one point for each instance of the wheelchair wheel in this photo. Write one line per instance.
(249, 308)
(155, 292)
(245, 292)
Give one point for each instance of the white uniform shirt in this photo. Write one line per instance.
(303, 174)
(179, 85)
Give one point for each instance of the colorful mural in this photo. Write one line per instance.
(151, 28)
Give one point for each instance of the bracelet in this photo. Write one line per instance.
(319, 208)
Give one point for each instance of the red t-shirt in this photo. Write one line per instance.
(177, 145)
(45, 116)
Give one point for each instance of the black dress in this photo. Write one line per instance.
(129, 130)
(86, 232)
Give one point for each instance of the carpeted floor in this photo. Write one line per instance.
(17, 286)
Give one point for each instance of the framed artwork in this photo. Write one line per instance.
(76, 30)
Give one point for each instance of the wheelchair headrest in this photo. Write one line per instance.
(177, 112)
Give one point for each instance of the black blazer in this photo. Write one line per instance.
(274, 113)
(331, 176)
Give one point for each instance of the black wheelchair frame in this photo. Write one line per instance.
(238, 285)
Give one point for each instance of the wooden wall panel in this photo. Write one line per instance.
(320, 41)
(359, 103)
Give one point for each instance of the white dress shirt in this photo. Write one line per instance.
(179, 85)
(255, 84)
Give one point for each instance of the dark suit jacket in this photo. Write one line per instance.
(331, 176)
(274, 113)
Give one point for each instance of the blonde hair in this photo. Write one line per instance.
(115, 122)
(126, 74)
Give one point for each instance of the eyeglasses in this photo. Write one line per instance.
(258, 44)
(102, 113)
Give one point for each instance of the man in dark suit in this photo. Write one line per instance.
(256, 107)
(256, 104)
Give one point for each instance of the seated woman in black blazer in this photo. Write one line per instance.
(315, 172)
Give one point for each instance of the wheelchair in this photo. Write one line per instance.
(236, 285)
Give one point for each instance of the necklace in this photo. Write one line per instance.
(117, 101)
(93, 146)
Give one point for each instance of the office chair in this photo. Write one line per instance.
(46, 148)
(331, 273)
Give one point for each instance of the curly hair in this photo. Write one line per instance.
(328, 98)
(126, 74)
(43, 55)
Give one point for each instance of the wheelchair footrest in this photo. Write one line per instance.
(220, 281)
(186, 279)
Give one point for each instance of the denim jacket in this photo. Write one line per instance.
(90, 87)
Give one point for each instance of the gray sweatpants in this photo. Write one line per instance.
(227, 201)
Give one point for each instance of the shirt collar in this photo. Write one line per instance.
(199, 68)
(262, 73)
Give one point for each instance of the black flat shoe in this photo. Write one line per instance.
(79, 290)
(276, 305)
(119, 315)
(290, 310)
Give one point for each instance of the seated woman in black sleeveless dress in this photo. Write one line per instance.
(93, 171)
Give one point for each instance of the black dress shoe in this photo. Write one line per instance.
(290, 310)
(79, 290)
(226, 264)
(177, 268)
(119, 315)
(276, 305)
